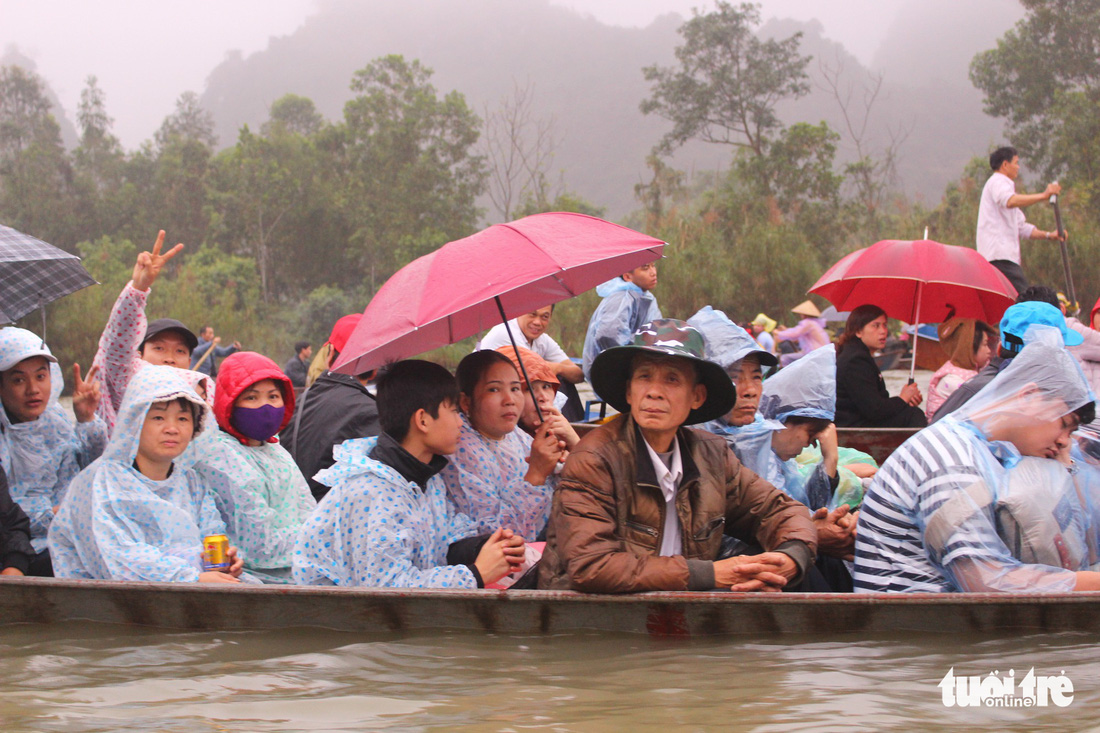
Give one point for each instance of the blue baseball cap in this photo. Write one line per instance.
(1018, 318)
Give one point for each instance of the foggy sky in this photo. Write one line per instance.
(146, 53)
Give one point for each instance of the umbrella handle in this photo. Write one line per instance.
(523, 371)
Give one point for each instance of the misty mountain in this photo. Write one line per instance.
(587, 77)
(13, 57)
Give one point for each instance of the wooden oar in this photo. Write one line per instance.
(1070, 291)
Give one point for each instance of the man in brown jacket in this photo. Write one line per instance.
(643, 502)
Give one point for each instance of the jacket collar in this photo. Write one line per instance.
(393, 454)
(644, 470)
(346, 379)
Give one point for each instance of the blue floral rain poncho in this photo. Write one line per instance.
(42, 456)
(116, 524)
(485, 480)
(374, 528)
(930, 520)
(624, 309)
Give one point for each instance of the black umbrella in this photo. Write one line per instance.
(33, 273)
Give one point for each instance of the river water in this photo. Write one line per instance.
(86, 677)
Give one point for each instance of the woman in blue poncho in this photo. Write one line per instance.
(140, 512)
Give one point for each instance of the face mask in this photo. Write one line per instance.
(258, 423)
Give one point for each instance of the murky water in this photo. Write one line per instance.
(84, 677)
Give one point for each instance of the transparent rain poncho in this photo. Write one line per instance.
(117, 524)
(727, 343)
(624, 309)
(806, 388)
(375, 528)
(938, 513)
(42, 456)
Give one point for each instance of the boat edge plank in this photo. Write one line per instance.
(186, 606)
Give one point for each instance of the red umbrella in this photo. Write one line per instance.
(918, 282)
(501, 272)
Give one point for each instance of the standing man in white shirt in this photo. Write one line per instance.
(1001, 221)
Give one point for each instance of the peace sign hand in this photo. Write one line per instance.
(149, 264)
(85, 395)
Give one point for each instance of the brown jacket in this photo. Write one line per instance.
(607, 519)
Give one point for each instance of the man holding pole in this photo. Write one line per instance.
(1001, 221)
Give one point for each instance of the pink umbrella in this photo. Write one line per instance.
(470, 284)
(918, 282)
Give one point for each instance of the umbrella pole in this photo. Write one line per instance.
(42, 307)
(916, 334)
(522, 370)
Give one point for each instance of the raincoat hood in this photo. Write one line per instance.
(17, 344)
(152, 384)
(727, 343)
(1043, 366)
(806, 388)
(237, 373)
(957, 341)
(615, 285)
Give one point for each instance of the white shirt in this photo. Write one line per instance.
(544, 346)
(1000, 228)
(668, 478)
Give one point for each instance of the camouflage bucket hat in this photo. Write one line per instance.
(611, 370)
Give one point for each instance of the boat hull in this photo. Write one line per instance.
(220, 608)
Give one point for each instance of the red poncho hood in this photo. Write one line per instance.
(238, 372)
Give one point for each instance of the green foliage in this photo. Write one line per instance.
(565, 201)
(411, 177)
(296, 114)
(315, 315)
(728, 81)
(285, 231)
(189, 122)
(1044, 79)
(35, 173)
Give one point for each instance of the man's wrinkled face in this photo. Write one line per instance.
(748, 380)
(25, 389)
(662, 392)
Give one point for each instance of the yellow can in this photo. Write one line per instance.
(215, 555)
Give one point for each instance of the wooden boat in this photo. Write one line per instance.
(878, 442)
(234, 608)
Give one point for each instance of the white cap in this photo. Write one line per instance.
(18, 344)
